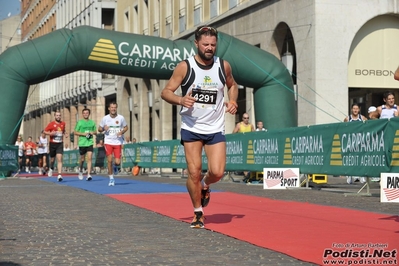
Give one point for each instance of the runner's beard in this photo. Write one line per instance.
(205, 56)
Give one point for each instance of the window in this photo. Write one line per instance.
(233, 3)
(182, 20)
(214, 6)
(168, 31)
(197, 15)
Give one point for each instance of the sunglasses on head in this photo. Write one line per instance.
(206, 29)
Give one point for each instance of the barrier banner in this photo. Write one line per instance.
(70, 158)
(164, 154)
(8, 158)
(365, 149)
(359, 149)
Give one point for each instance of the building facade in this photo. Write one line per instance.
(342, 52)
(70, 93)
(10, 32)
(10, 35)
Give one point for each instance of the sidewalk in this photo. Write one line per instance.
(52, 224)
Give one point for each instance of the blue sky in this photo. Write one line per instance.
(9, 6)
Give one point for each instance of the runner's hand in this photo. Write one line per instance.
(231, 107)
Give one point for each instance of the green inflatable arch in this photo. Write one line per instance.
(87, 48)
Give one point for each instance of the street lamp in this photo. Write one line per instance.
(149, 97)
(130, 115)
(288, 60)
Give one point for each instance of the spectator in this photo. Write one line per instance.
(244, 125)
(373, 114)
(389, 109)
(127, 140)
(21, 146)
(355, 114)
(259, 126)
(354, 117)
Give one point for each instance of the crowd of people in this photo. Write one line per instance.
(49, 147)
(385, 111)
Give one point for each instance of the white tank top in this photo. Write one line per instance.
(388, 113)
(20, 148)
(44, 142)
(207, 86)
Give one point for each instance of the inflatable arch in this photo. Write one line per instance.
(87, 48)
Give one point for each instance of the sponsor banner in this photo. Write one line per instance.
(281, 178)
(8, 158)
(340, 148)
(70, 158)
(389, 186)
(164, 154)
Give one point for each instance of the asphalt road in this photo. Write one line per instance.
(42, 223)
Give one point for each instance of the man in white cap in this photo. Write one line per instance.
(373, 114)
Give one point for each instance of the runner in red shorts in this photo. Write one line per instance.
(113, 126)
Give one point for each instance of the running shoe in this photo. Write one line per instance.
(198, 221)
(88, 178)
(50, 172)
(80, 176)
(205, 197)
(59, 178)
(111, 182)
(349, 180)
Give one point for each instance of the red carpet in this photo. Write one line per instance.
(301, 230)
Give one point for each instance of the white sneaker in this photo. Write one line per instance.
(50, 172)
(349, 180)
(88, 178)
(26, 169)
(59, 178)
(80, 176)
(40, 172)
(111, 182)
